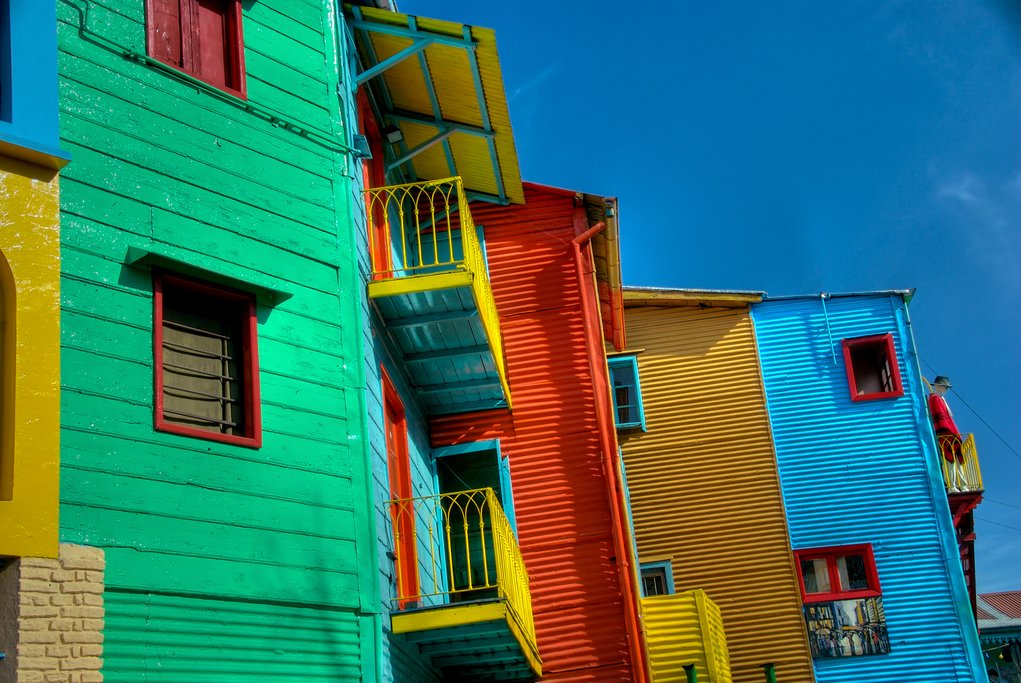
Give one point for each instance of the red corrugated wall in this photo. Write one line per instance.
(551, 437)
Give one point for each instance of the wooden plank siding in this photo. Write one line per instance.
(213, 550)
(705, 494)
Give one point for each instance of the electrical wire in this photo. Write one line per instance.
(999, 524)
(1000, 502)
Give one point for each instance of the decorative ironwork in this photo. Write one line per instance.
(466, 551)
(960, 463)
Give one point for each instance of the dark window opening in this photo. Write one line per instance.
(627, 395)
(206, 365)
(872, 368)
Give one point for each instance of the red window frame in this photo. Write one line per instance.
(190, 58)
(830, 555)
(250, 345)
(891, 354)
(402, 517)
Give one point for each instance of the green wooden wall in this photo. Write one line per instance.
(223, 563)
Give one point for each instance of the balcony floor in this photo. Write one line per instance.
(479, 641)
(435, 321)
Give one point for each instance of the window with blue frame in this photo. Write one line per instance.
(657, 579)
(627, 392)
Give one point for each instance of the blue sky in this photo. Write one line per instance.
(798, 148)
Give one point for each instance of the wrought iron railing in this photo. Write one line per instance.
(960, 463)
(463, 549)
(426, 228)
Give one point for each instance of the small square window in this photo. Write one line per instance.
(202, 38)
(657, 579)
(627, 392)
(206, 361)
(872, 370)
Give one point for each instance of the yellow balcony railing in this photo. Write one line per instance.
(424, 231)
(959, 458)
(685, 629)
(462, 549)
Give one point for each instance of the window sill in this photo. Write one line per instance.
(191, 79)
(245, 441)
(814, 598)
(877, 396)
(33, 152)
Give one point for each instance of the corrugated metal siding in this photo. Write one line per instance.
(686, 628)
(856, 472)
(560, 496)
(703, 481)
(454, 86)
(181, 639)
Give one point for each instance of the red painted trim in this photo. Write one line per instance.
(830, 555)
(627, 574)
(235, 68)
(399, 473)
(374, 175)
(250, 344)
(891, 355)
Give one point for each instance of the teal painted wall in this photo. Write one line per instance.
(223, 562)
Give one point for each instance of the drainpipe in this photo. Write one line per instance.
(607, 442)
(770, 671)
(690, 673)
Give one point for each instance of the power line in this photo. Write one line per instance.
(1006, 526)
(1000, 502)
(975, 413)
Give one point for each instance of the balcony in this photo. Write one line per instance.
(685, 629)
(430, 284)
(961, 473)
(463, 594)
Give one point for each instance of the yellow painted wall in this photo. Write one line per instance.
(29, 359)
(685, 628)
(705, 491)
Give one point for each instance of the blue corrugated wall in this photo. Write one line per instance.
(867, 472)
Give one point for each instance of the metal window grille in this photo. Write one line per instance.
(203, 367)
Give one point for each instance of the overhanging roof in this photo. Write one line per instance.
(441, 84)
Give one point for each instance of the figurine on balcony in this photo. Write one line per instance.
(947, 434)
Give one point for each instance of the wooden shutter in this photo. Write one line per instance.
(164, 31)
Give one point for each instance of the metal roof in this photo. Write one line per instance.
(999, 617)
(665, 296)
(440, 83)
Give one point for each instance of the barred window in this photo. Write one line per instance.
(206, 361)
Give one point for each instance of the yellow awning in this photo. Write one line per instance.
(441, 84)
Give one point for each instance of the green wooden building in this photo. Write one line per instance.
(212, 387)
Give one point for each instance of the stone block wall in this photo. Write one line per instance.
(51, 617)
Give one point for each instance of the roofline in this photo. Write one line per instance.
(666, 296)
(908, 294)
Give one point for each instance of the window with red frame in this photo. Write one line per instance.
(843, 573)
(202, 38)
(206, 361)
(872, 370)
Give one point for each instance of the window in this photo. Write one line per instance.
(657, 579)
(627, 393)
(837, 573)
(843, 606)
(206, 369)
(28, 83)
(202, 38)
(872, 370)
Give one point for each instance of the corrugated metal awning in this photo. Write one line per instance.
(441, 85)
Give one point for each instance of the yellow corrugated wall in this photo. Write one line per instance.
(685, 628)
(704, 486)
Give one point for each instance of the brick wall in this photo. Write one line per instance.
(57, 607)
